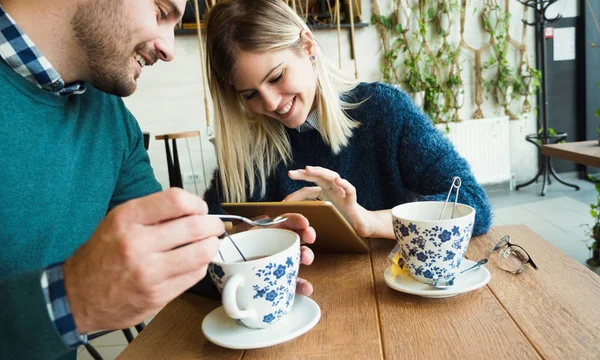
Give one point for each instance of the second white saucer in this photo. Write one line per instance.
(401, 280)
(224, 331)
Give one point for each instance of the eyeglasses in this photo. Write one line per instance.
(513, 258)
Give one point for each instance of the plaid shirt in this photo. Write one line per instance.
(21, 54)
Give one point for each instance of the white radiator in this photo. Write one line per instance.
(485, 143)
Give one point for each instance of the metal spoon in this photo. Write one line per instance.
(445, 284)
(259, 222)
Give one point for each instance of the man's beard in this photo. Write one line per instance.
(101, 31)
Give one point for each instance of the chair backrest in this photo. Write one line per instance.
(146, 140)
(173, 166)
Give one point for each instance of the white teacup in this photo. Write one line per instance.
(260, 291)
(433, 249)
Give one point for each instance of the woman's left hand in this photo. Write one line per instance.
(331, 187)
(299, 224)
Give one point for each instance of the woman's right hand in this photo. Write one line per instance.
(331, 187)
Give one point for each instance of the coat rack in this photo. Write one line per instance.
(545, 165)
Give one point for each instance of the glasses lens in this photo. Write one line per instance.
(512, 259)
(501, 244)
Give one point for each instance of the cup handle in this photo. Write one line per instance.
(230, 299)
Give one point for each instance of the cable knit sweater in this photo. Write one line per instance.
(395, 156)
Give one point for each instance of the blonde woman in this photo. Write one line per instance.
(290, 126)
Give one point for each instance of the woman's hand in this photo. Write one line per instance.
(300, 225)
(331, 187)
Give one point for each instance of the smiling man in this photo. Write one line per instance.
(88, 240)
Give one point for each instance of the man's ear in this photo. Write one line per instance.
(308, 42)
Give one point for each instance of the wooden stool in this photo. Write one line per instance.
(175, 179)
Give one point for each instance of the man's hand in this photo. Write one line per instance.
(142, 255)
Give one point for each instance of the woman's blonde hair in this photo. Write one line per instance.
(249, 146)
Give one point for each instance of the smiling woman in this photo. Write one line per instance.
(287, 118)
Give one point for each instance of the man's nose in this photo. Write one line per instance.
(165, 45)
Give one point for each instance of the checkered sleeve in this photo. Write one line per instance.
(53, 286)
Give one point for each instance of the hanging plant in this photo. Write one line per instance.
(496, 22)
(444, 16)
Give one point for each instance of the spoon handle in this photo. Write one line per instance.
(227, 217)
(233, 217)
(470, 268)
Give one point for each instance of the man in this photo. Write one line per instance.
(88, 240)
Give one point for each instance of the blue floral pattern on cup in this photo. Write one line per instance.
(276, 285)
(216, 273)
(432, 253)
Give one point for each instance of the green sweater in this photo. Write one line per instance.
(65, 162)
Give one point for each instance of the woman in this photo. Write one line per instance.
(286, 119)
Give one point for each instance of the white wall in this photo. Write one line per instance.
(170, 95)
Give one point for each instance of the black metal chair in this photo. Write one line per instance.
(173, 166)
(127, 332)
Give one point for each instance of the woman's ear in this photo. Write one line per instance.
(308, 42)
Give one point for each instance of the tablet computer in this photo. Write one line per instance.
(334, 233)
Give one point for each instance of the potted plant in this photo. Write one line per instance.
(594, 231)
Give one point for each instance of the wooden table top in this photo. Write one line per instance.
(580, 152)
(551, 313)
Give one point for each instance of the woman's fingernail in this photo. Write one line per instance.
(293, 172)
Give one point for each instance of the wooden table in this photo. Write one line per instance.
(581, 152)
(551, 313)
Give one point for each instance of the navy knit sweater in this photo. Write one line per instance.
(395, 156)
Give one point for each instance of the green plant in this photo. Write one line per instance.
(410, 62)
(551, 133)
(496, 22)
(593, 232)
(413, 81)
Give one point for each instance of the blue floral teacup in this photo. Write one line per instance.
(259, 291)
(433, 249)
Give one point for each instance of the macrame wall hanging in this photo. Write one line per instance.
(420, 57)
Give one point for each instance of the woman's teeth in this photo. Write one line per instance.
(286, 109)
(140, 60)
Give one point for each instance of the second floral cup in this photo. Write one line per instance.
(433, 249)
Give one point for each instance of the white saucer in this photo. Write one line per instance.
(224, 331)
(401, 280)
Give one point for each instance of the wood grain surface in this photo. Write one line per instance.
(580, 152)
(473, 324)
(551, 313)
(557, 306)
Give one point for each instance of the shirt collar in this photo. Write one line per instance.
(311, 123)
(21, 54)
